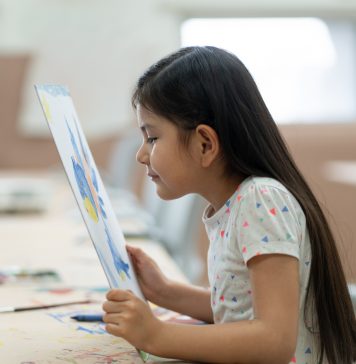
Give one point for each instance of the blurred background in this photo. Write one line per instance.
(302, 55)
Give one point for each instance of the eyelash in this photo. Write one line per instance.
(151, 140)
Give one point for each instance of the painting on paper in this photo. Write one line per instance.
(87, 186)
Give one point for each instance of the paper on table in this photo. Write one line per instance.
(24, 194)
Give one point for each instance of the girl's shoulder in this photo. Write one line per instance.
(266, 191)
(268, 196)
(254, 183)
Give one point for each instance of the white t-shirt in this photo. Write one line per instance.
(261, 217)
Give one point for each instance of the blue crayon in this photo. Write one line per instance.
(87, 318)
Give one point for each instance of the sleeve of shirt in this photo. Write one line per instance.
(267, 223)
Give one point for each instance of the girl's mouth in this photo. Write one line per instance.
(153, 176)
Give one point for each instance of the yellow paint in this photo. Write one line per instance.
(46, 108)
(90, 337)
(122, 275)
(90, 208)
(1, 344)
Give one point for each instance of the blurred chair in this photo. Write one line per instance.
(13, 71)
(122, 178)
(179, 225)
(122, 170)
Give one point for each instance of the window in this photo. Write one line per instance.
(304, 67)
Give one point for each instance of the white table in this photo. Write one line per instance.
(58, 241)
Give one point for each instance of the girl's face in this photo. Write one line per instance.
(169, 164)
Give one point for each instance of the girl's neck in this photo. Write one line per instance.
(218, 191)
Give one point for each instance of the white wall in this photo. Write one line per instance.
(97, 48)
(251, 8)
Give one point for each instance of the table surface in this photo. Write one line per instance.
(56, 239)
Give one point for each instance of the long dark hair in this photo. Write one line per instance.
(209, 85)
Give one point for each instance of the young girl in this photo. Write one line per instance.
(278, 292)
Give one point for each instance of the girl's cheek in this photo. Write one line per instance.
(153, 160)
(154, 155)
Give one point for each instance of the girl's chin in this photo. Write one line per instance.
(165, 194)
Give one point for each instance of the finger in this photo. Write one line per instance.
(113, 329)
(132, 257)
(119, 306)
(136, 253)
(132, 248)
(119, 295)
(112, 306)
(112, 318)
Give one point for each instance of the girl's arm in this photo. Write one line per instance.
(189, 300)
(269, 338)
(183, 298)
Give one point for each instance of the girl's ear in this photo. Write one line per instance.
(208, 144)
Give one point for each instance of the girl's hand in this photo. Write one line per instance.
(131, 318)
(153, 282)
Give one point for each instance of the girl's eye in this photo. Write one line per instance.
(151, 140)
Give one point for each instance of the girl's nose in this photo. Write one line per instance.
(142, 155)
